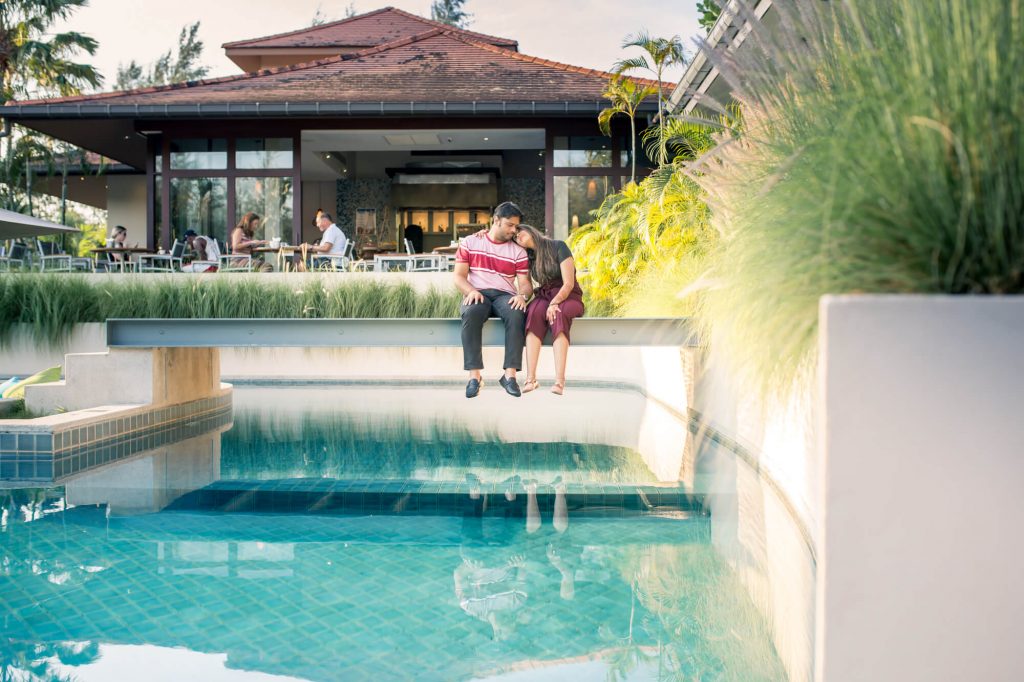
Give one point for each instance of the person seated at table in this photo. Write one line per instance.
(117, 241)
(243, 241)
(332, 243)
(205, 253)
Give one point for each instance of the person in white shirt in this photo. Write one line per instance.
(206, 253)
(333, 242)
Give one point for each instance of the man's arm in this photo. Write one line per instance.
(469, 293)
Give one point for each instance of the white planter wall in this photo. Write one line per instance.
(921, 565)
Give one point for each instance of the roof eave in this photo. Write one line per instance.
(308, 109)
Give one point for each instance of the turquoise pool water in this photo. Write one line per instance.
(328, 548)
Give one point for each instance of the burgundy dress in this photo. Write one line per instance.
(570, 308)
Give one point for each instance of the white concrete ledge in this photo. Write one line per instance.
(923, 440)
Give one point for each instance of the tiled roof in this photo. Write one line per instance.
(439, 65)
(365, 30)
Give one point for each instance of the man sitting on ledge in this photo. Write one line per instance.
(493, 274)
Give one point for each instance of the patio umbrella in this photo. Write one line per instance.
(13, 224)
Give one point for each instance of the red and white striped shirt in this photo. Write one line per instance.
(493, 265)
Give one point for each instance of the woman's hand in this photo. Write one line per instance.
(553, 312)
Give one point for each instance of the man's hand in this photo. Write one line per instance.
(553, 311)
(517, 302)
(473, 297)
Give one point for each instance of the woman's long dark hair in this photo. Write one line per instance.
(544, 265)
(246, 224)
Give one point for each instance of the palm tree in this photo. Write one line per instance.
(626, 97)
(30, 56)
(659, 55)
(32, 59)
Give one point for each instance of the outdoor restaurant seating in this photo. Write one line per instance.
(333, 261)
(163, 262)
(53, 258)
(110, 264)
(14, 257)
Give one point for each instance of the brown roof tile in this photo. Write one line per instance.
(440, 65)
(364, 30)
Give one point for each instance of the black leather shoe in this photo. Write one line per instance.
(473, 388)
(510, 386)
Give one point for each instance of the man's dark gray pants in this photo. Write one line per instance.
(496, 303)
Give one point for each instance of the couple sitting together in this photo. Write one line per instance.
(495, 270)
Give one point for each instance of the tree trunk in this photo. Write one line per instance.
(64, 199)
(632, 129)
(28, 182)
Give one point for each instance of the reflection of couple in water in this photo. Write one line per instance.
(493, 585)
(495, 271)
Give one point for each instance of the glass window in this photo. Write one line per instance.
(440, 222)
(199, 204)
(271, 200)
(626, 155)
(575, 197)
(583, 152)
(421, 218)
(199, 154)
(259, 152)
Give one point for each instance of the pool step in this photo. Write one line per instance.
(417, 497)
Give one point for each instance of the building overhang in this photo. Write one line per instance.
(21, 113)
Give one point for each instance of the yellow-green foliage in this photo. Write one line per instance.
(644, 246)
(882, 151)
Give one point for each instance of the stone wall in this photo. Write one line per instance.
(528, 194)
(361, 193)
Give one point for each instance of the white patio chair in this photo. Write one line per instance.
(53, 258)
(15, 257)
(392, 263)
(428, 262)
(163, 262)
(231, 262)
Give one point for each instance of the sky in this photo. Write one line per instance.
(585, 33)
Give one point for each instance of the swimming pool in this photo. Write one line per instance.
(336, 532)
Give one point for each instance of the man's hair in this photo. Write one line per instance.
(327, 217)
(507, 209)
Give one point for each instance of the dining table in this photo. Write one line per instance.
(283, 252)
(124, 264)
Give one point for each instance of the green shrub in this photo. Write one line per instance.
(882, 152)
(52, 304)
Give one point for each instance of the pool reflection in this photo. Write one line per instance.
(330, 546)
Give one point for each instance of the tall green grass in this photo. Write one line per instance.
(882, 151)
(52, 304)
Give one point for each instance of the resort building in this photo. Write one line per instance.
(385, 119)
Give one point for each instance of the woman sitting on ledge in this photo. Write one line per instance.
(557, 301)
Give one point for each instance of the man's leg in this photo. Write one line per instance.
(515, 332)
(473, 318)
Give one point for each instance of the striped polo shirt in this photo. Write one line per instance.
(492, 265)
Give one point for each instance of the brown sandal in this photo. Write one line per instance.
(558, 387)
(529, 385)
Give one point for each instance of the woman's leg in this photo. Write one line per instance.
(569, 311)
(561, 348)
(533, 344)
(536, 328)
